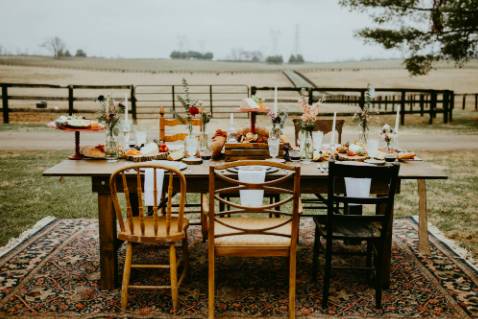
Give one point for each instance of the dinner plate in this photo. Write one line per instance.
(268, 169)
(374, 161)
(179, 165)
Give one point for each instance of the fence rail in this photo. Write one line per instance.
(220, 100)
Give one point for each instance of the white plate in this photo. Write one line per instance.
(374, 161)
(268, 169)
(277, 160)
(179, 165)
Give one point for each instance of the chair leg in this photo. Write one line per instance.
(174, 275)
(327, 274)
(211, 284)
(379, 276)
(126, 275)
(185, 255)
(203, 219)
(369, 259)
(292, 279)
(315, 257)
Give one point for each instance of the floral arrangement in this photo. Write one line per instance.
(192, 108)
(310, 111)
(278, 121)
(387, 134)
(364, 114)
(109, 113)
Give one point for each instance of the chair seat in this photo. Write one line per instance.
(149, 235)
(253, 241)
(349, 229)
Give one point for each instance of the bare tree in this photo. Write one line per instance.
(56, 46)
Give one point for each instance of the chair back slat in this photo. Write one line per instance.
(175, 186)
(129, 212)
(155, 202)
(279, 183)
(139, 192)
(170, 204)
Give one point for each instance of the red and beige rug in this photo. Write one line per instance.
(54, 273)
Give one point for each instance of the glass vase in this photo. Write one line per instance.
(111, 147)
(306, 146)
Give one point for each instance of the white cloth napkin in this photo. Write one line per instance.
(252, 198)
(357, 187)
(149, 186)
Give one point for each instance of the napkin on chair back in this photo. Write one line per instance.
(251, 174)
(149, 186)
(357, 187)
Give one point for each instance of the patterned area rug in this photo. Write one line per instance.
(55, 273)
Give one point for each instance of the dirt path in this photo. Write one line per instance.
(413, 139)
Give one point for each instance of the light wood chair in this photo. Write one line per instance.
(371, 229)
(320, 125)
(171, 122)
(164, 123)
(259, 235)
(166, 229)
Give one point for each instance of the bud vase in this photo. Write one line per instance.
(111, 147)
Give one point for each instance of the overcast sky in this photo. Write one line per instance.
(153, 28)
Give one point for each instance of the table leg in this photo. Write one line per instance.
(423, 245)
(108, 246)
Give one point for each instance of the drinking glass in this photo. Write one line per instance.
(273, 144)
(317, 138)
(191, 146)
(294, 155)
(372, 147)
(141, 137)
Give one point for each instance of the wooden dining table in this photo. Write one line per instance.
(313, 181)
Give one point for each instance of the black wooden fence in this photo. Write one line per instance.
(223, 99)
(410, 101)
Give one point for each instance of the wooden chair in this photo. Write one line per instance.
(163, 136)
(171, 122)
(159, 229)
(320, 125)
(240, 235)
(372, 229)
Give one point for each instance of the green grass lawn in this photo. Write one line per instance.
(26, 196)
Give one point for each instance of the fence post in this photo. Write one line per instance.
(476, 102)
(446, 105)
(253, 90)
(422, 104)
(6, 119)
(463, 101)
(433, 104)
(210, 99)
(452, 106)
(173, 99)
(362, 99)
(402, 108)
(70, 100)
(133, 103)
(311, 96)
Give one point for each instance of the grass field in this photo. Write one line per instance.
(26, 196)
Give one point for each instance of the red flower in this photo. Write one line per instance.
(193, 110)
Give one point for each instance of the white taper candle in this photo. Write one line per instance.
(126, 108)
(275, 99)
(332, 142)
(397, 120)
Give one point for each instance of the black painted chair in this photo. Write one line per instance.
(373, 229)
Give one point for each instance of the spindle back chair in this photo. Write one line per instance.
(373, 229)
(248, 231)
(162, 228)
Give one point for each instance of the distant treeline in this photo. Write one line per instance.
(191, 55)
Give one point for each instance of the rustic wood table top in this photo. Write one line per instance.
(408, 170)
